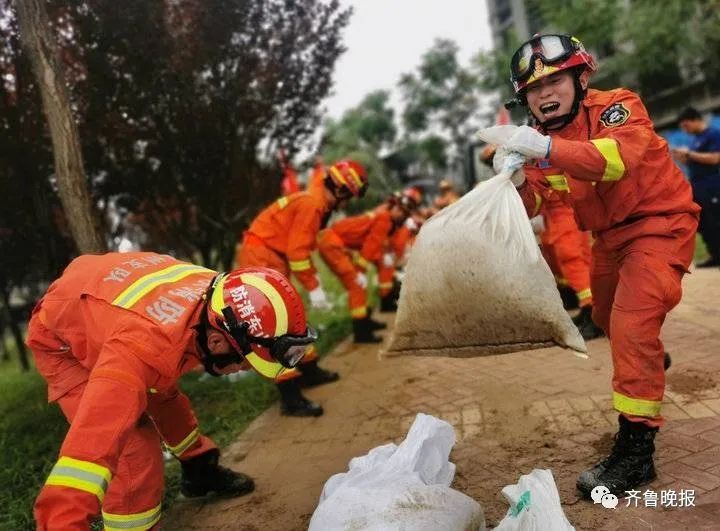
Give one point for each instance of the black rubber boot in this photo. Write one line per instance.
(588, 329)
(202, 475)
(294, 404)
(630, 463)
(568, 297)
(375, 325)
(388, 303)
(667, 363)
(311, 374)
(363, 331)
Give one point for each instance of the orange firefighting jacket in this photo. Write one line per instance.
(367, 233)
(634, 180)
(122, 324)
(316, 180)
(289, 227)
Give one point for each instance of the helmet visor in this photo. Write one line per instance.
(287, 349)
(548, 48)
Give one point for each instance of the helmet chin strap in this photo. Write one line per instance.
(557, 123)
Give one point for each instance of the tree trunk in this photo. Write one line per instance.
(38, 42)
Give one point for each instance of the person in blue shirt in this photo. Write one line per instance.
(702, 160)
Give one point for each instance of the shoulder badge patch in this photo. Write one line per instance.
(616, 114)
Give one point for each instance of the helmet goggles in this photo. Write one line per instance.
(550, 49)
(287, 349)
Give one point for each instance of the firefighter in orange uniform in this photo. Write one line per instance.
(395, 256)
(447, 195)
(625, 188)
(567, 248)
(316, 179)
(112, 336)
(367, 235)
(282, 237)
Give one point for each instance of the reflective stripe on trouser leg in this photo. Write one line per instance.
(81, 475)
(134, 522)
(135, 494)
(648, 287)
(386, 275)
(178, 449)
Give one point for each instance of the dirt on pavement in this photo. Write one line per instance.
(511, 413)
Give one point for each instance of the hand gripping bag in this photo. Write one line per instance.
(476, 283)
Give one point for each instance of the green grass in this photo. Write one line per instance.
(31, 430)
(30, 434)
(701, 253)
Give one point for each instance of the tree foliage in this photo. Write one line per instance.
(363, 133)
(370, 126)
(181, 106)
(441, 99)
(645, 44)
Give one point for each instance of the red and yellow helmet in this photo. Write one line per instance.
(409, 199)
(262, 316)
(544, 55)
(349, 176)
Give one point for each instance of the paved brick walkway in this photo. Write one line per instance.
(512, 413)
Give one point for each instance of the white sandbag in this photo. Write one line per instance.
(405, 487)
(534, 505)
(476, 283)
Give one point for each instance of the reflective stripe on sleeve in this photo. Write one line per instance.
(636, 406)
(300, 265)
(538, 204)
(283, 202)
(360, 261)
(132, 522)
(614, 165)
(558, 182)
(186, 443)
(80, 475)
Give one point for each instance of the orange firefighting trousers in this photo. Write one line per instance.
(636, 281)
(254, 254)
(386, 275)
(133, 495)
(567, 248)
(337, 257)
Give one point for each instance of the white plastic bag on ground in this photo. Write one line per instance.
(477, 284)
(405, 487)
(534, 505)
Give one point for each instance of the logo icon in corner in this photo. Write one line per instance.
(609, 501)
(616, 114)
(598, 492)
